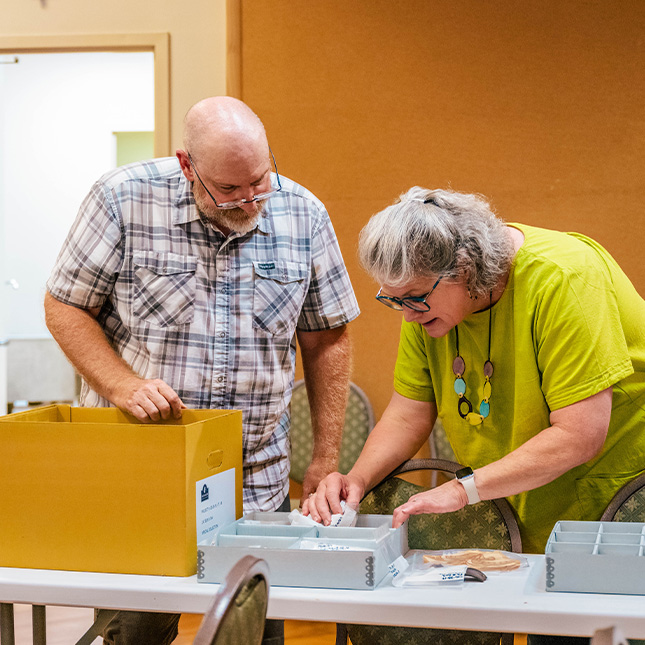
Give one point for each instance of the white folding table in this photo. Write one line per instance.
(507, 602)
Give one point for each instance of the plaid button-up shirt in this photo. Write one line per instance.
(213, 317)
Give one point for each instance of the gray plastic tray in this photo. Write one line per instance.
(373, 542)
(596, 557)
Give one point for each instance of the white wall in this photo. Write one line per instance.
(3, 307)
(57, 115)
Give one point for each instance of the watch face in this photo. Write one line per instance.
(467, 471)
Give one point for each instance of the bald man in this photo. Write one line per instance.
(185, 282)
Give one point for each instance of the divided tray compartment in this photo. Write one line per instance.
(359, 560)
(596, 557)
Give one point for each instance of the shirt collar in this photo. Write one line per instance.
(185, 210)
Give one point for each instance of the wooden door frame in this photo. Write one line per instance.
(234, 48)
(157, 43)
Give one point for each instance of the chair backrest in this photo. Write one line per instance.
(628, 504)
(440, 447)
(238, 611)
(490, 524)
(359, 421)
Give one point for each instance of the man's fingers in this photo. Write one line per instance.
(139, 414)
(175, 403)
(154, 400)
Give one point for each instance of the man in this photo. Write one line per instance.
(185, 282)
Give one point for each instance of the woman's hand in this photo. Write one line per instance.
(331, 490)
(448, 497)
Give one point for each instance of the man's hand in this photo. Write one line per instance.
(148, 399)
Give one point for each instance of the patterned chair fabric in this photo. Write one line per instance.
(238, 612)
(440, 447)
(628, 505)
(359, 421)
(489, 524)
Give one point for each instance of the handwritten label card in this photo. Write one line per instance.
(215, 504)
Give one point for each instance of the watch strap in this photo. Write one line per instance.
(466, 478)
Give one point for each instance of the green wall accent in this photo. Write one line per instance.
(133, 146)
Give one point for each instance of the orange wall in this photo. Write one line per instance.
(537, 105)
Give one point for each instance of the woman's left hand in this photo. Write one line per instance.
(448, 497)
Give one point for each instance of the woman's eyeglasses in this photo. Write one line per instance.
(416, 303)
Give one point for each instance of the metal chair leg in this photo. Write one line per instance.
(99, 625)
(39, 624)
(7, 635)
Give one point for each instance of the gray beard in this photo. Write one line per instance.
(236, 220)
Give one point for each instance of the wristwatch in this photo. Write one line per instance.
(466, 478)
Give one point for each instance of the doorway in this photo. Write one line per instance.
(60, 113)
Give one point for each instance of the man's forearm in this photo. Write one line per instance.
(326, 366)
(87, 348)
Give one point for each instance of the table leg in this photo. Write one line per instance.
(95, 630)
(6, 624)
(39, 624)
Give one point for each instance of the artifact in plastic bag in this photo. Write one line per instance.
(482, 559)
(414, 572)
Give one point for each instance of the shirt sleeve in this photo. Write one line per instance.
(412, 372)
(580, 344)
(330, 301)
(92, 254)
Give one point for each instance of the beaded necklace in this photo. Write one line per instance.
(459, 367)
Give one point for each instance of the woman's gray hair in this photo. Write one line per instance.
(431, 233)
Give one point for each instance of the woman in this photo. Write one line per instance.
(529, 345)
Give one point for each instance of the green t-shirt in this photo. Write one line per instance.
(568, 325)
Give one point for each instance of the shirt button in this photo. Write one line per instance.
(222, 334)
(220, 379)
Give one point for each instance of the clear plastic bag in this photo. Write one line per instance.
(414, 572)
(488, 560)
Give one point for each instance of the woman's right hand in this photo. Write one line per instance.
(331, 490)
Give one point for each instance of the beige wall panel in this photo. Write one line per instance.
(538, 105)
(197, 31)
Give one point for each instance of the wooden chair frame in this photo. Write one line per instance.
(621, 496)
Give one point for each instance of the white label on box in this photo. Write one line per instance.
(215, 504)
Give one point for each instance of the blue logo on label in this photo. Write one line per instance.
(204, 493)
(266, 265)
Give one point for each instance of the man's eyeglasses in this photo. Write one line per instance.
(240, 202)
(416, 303)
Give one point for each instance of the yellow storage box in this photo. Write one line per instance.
(90, 489)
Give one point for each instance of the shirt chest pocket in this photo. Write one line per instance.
(164, 288)
(278, 294)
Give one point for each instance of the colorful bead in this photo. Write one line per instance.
(469, 407)
(464, 406)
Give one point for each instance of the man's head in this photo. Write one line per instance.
(226, 154)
